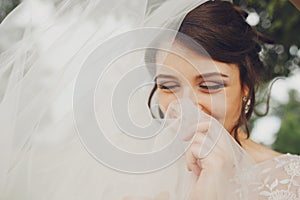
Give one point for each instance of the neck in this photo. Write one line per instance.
(258, 152)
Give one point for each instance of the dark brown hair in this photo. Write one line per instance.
(221, 29)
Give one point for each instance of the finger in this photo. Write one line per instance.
(199, 138)
(192, 159)
(205, 143)
(202, 146)
(200, 127)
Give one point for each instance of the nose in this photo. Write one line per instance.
(189, 93)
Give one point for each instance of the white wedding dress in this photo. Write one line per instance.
(56, 86)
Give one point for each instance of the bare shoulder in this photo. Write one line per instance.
(269, 154)
(259, 152)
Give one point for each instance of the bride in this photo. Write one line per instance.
(75, 123)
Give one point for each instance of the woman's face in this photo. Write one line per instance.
(213, 86)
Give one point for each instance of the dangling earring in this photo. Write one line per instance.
(247, 106)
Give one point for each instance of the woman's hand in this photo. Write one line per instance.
(210, 158)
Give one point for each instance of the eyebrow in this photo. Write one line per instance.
(201, 76)
(208, 75)
(165, 76)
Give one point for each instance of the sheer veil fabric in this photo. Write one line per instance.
(74, 80)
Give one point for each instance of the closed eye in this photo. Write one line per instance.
(168, 86)
(211, 85)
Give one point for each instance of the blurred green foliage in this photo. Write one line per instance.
(280, 21)
(288, 137)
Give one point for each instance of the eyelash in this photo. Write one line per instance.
(164, 87)
(216, 86)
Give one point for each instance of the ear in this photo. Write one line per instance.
(245, 91)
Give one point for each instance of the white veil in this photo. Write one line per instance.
(72, 84)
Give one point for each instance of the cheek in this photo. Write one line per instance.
(233, 111)
(164, 99)
(225, 107)
(215, 105)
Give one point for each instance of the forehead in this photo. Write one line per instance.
(181, 60)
